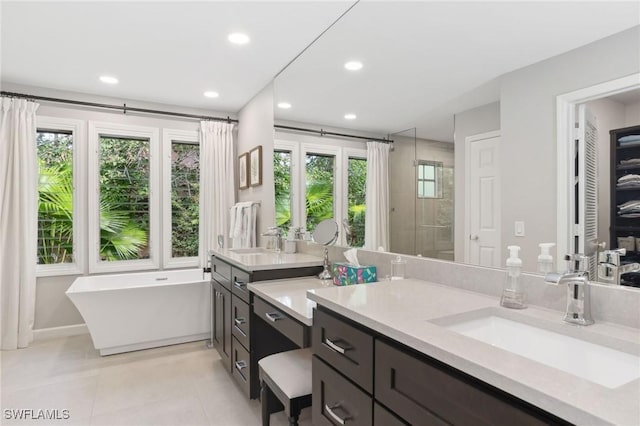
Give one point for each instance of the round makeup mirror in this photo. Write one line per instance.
(326, 232)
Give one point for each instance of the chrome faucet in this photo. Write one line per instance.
(610, 266)
(276, 233)
(577, 281)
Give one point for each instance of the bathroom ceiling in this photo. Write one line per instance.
(164, 52)
(424, 61)
(428, 53)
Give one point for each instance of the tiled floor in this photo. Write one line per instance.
(175, 385)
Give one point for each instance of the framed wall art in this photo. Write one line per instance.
(255, 166)
(243, 171)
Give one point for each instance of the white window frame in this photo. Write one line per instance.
(77, 129)
(347, 153)
(96, 130)
(338, 202)
(297, 207)
(169, 136)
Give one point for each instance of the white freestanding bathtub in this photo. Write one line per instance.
(136, 311)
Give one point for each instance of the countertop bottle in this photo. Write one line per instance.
(512, 295)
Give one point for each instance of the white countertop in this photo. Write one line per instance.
(290, 295)
(402, 310)
(268, 259)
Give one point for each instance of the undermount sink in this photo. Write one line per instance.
(594, 362)
(249, 251)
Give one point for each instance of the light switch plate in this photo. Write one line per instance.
(519, 227)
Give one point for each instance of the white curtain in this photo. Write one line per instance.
(18, 221)
(217, 187)
(376, 230)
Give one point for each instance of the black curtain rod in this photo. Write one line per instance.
(124, 108)
(323, 132)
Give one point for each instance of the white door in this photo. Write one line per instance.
(586, 226)
(483, 246)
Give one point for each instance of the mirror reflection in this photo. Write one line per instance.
(472, 167)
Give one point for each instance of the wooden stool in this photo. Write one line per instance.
(285, 382)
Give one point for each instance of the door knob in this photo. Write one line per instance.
(474, 237)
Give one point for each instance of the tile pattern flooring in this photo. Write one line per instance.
(174, 385)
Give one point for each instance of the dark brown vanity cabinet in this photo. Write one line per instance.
(239, 338)
(361, 377)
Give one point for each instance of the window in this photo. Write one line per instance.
(282, 181)
(55, 196)
(429, 179)
(181, 195)
(320, 171)
(356, 201)
(59, 183)
(123, 197)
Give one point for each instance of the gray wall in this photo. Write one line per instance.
(472, 122)
(256, 128)
(528, 126)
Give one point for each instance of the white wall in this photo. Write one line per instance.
(472, 122)
(527, 117)
(256, 128)
(632, 115)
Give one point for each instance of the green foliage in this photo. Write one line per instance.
(319, 196)
(357, 200)
(185, 192)
(282, 178)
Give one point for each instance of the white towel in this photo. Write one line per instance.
(240, 230)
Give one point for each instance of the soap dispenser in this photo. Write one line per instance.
(545, 260)
(512, 295)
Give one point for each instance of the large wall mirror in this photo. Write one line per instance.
(467, 92)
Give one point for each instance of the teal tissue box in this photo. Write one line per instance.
(347, 274)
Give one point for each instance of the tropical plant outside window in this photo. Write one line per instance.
(320, 170)
(185, 191)
(55, 196)
(282, 182)
(124, 198)
(357, 200)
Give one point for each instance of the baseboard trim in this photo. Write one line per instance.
(57, 332)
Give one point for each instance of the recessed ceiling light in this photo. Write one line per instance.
(353, 65)
(211, 94)
(350, 116)
(108, 79)
(284, 105)
(238, 38)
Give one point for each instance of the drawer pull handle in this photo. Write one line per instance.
(239, 285)
(334, 416)
(240, 365)
(273, 316)
(239, 321)
(240, 331)
(336, 347)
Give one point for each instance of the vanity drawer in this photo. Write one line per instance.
(221, 272)
(336, 400)
(239, 281)
(240, 321)
(382, 417)
(241, 366)
(347, 348)
(295, 331)
(426, 393)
